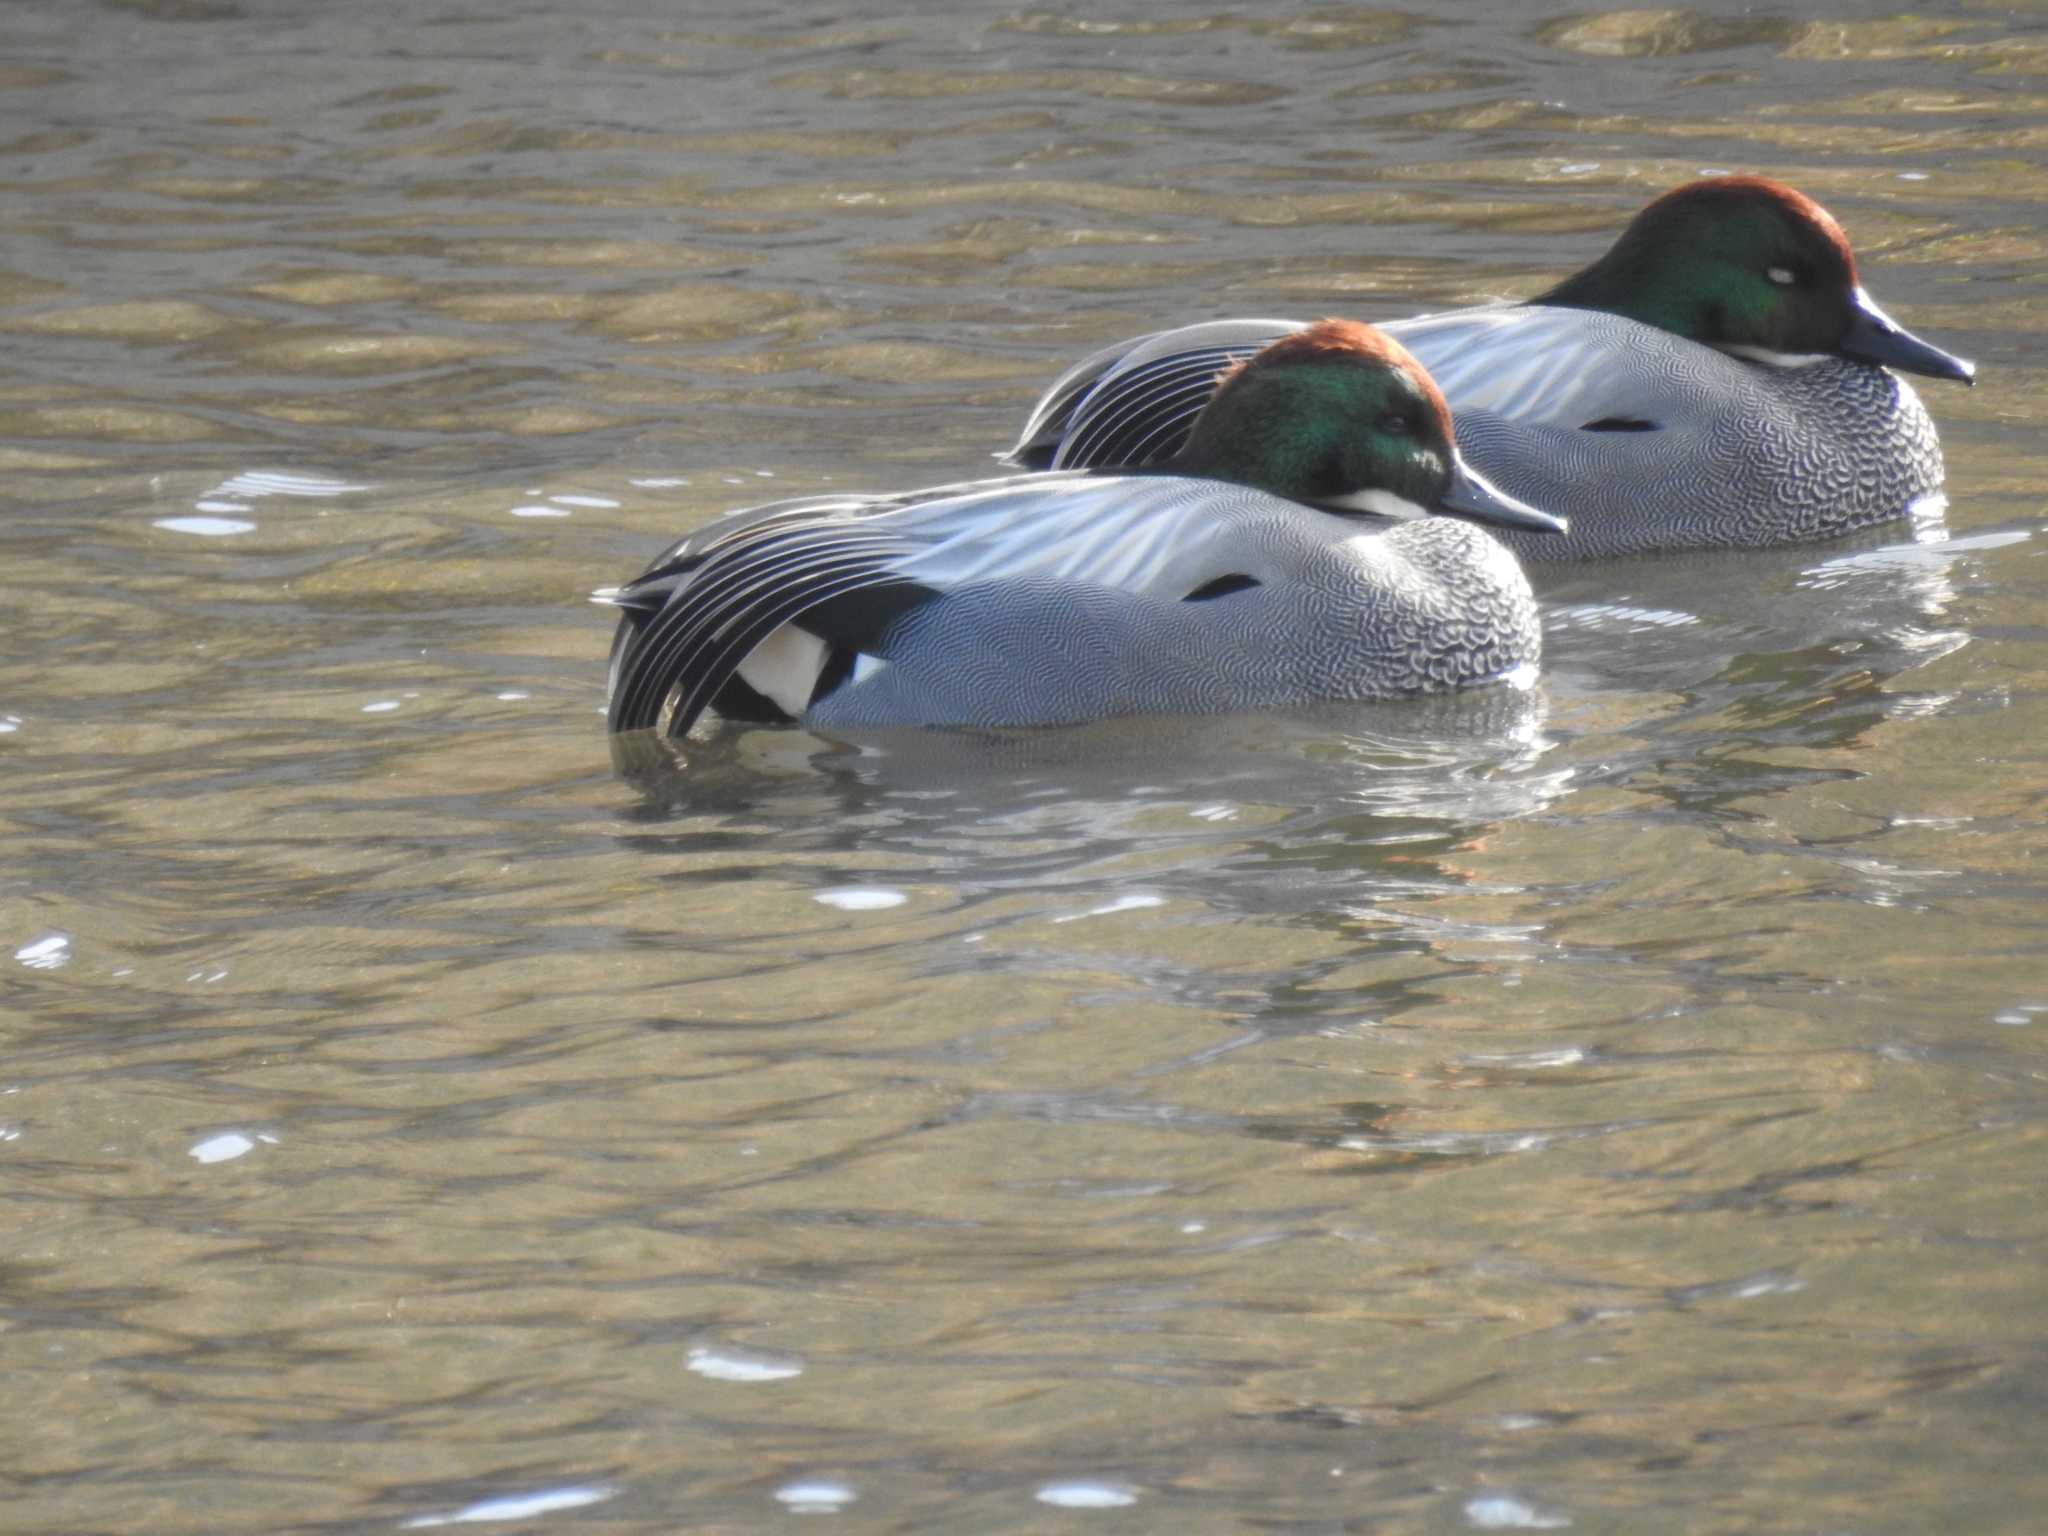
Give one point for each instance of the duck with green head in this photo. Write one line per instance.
(1313, 539)
(1753, 268)
(1718, 378)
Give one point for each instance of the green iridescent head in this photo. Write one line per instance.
(1753, 267)
(1343, 417)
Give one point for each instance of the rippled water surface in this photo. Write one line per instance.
(1616, 1106)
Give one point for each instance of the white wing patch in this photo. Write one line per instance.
(784, 669)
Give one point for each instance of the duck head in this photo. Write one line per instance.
(1752, 267)
(1343, 417)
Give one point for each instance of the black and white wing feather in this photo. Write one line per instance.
(1535, 366)
(774, 605)
(1132, 404)
(691, 620)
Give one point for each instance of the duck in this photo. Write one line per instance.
(1718, 379)
(1318, 536)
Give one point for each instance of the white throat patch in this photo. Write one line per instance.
(1772, 359)
(1381, 503)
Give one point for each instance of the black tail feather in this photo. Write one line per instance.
(738, 595)
(715, 596)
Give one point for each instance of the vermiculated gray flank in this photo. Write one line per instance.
(1343, 613)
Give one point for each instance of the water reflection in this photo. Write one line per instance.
(1454, 757)
(1794, 652)
(1087, 1494)
(515, 1506)
(815, 1496)
(1504, 1512)
(728, 1363)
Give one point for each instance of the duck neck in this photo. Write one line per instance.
(1620, 284)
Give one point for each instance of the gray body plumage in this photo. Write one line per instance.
(1644, 440)
(1050, 599)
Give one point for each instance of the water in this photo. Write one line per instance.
(1612, 1106)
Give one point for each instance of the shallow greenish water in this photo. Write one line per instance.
(1615, 1106)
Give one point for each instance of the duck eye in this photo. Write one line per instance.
(1394, 424)
(1784, 277)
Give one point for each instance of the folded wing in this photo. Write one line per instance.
(762, 613)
